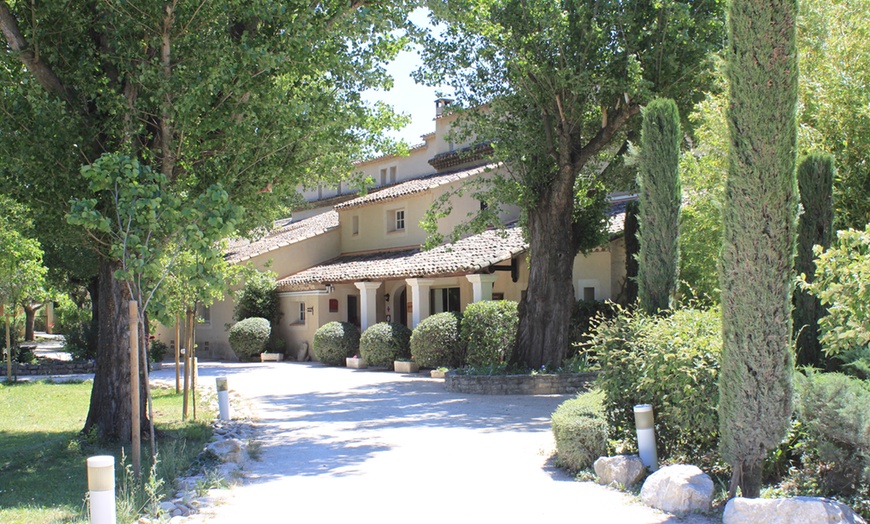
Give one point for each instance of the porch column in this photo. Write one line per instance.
(368, 303)
(419, 299)
(482, 286)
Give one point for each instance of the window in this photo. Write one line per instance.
(355, 225)
(333, 305)
(384, 176)
(203, 313)
(400, 220)
(301, 319)
(393, 175)
(588, 294)
(444, 299)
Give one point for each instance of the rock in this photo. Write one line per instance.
(678, 489)
(624, 470)
(176, 513)
(797, 510)
(167, 507)
(229, 450)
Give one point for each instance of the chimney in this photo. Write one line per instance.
(440, 104)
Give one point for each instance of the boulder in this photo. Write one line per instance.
(229, 450)
(678, 489)
(797, 510)
(623, 470)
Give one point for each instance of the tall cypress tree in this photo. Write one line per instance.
(632, 248)
(759, 222)
(660, 198)
(815, 176)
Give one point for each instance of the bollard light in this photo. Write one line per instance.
(101, 487)
(223, 398)
(646, 436)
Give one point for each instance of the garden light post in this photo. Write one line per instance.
(646, 436)
(223, 398)
(101, 488)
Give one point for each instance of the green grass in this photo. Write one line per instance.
(43, 475)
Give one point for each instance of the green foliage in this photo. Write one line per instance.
(157, 350)
(489, 330)
(248, 337)
(79, 342)
(759, 219)
(385, 342)
(68, 314)
(584, 316)
(258, 297)
(833, 411)
(815, 227)
(660, 198)
(841, 277)
(334, 342)
(632, 248)
(436, 341)
(580, 431)
(670, 362)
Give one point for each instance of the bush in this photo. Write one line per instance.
(249, 337)
(671, 363)
(489, 331)
(157, 350)
(259, 297)
(582, 317)
(68, 316)
(580, 431)
(385, 342)
(334, 342)
(833, 412)
(435, 341)
(80, 342)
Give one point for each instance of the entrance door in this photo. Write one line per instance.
(353, 310)
(403, 307)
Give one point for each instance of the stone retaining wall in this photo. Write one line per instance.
(55, 368)
(518, 384)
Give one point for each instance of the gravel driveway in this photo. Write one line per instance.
(375, 446)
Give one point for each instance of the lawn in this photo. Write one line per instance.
(43, 476)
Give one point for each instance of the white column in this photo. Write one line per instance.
(482, 286)
(419, 299)
(368, 303)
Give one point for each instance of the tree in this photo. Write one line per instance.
(835, 73)
(660, 199)
(815, 175)
(21, 269)
(554, 87)
(759, 221)
(258, 297)
(632, 248)
(257, 97)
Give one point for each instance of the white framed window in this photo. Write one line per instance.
(395, 220)
(400, 220)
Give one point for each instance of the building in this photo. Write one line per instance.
(358, 259)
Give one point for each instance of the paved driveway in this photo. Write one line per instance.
(374, 446)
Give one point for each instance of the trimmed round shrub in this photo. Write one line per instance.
(435, 341)
(489, 330)
(580, 431)
(334, 342)
(249, 337)
(385, 342)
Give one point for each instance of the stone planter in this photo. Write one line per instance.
(437, 373)
(406, 366)
(356, 363)
(271, 357)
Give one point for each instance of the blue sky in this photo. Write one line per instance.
(406, 96)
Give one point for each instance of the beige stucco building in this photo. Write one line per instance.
(360, 261)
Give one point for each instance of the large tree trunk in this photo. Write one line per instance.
(30, 310)
(110, 410)
(543, 334)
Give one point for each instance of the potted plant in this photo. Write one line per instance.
(439, 372)
(406, 365)
(356, 362)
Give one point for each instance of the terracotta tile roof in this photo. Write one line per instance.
(416, 185)
(468, 255)
(286, 232)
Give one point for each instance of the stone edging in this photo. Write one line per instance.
(555, 384)
(54, 368)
